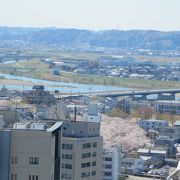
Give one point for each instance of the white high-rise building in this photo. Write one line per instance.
(111, 163)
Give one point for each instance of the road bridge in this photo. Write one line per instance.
(163, 94)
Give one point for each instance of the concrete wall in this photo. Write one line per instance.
(77, 159)
(29, 143)
(5, 140)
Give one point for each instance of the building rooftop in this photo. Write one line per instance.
(153, 120)
(177, 123)
(143, 150)
(34, 125)
(170, 102)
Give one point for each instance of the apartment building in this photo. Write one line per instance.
(152, 124)
(51, 151)
(172, 107)
(111, 163)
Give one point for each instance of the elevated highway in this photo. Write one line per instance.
(162, 94)
(139, 93)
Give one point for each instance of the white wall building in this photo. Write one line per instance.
(92, 114)
(111, 164)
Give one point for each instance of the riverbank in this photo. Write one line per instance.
(40, 70)
(20, 81)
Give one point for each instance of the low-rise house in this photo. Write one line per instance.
(22, 111)
(55, 112)
(166, 142)
(132, 166)
(150, 161)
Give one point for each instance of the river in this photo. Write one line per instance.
(61, 86)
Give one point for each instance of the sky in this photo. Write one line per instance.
(92, 14)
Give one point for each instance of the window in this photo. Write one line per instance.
(13, 176)
(86, 155)
(94, 163)
(94, 144)
(66, 156)
(86, 145)
(67, 146)
(107, 159)
(34, 160)
(93, 173)
(66, 176)
(85, 174)
(107, 174)
(94, 154)
(83, 165)
(107, 166)
(33, 177)
(66, 166)
(14, 160)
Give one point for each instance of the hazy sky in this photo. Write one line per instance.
(92, 14)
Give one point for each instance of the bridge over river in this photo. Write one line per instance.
(162, 94)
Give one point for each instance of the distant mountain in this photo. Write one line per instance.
(133, 39)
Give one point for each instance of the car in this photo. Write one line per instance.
(166, 167)
(151, 166)
(150, 172)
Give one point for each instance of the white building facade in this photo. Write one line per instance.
(111, 164)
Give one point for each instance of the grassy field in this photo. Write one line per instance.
(59, 53)
(38, 69)
(123, 82)
(158, 59)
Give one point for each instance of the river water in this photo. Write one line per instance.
(61, 86)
